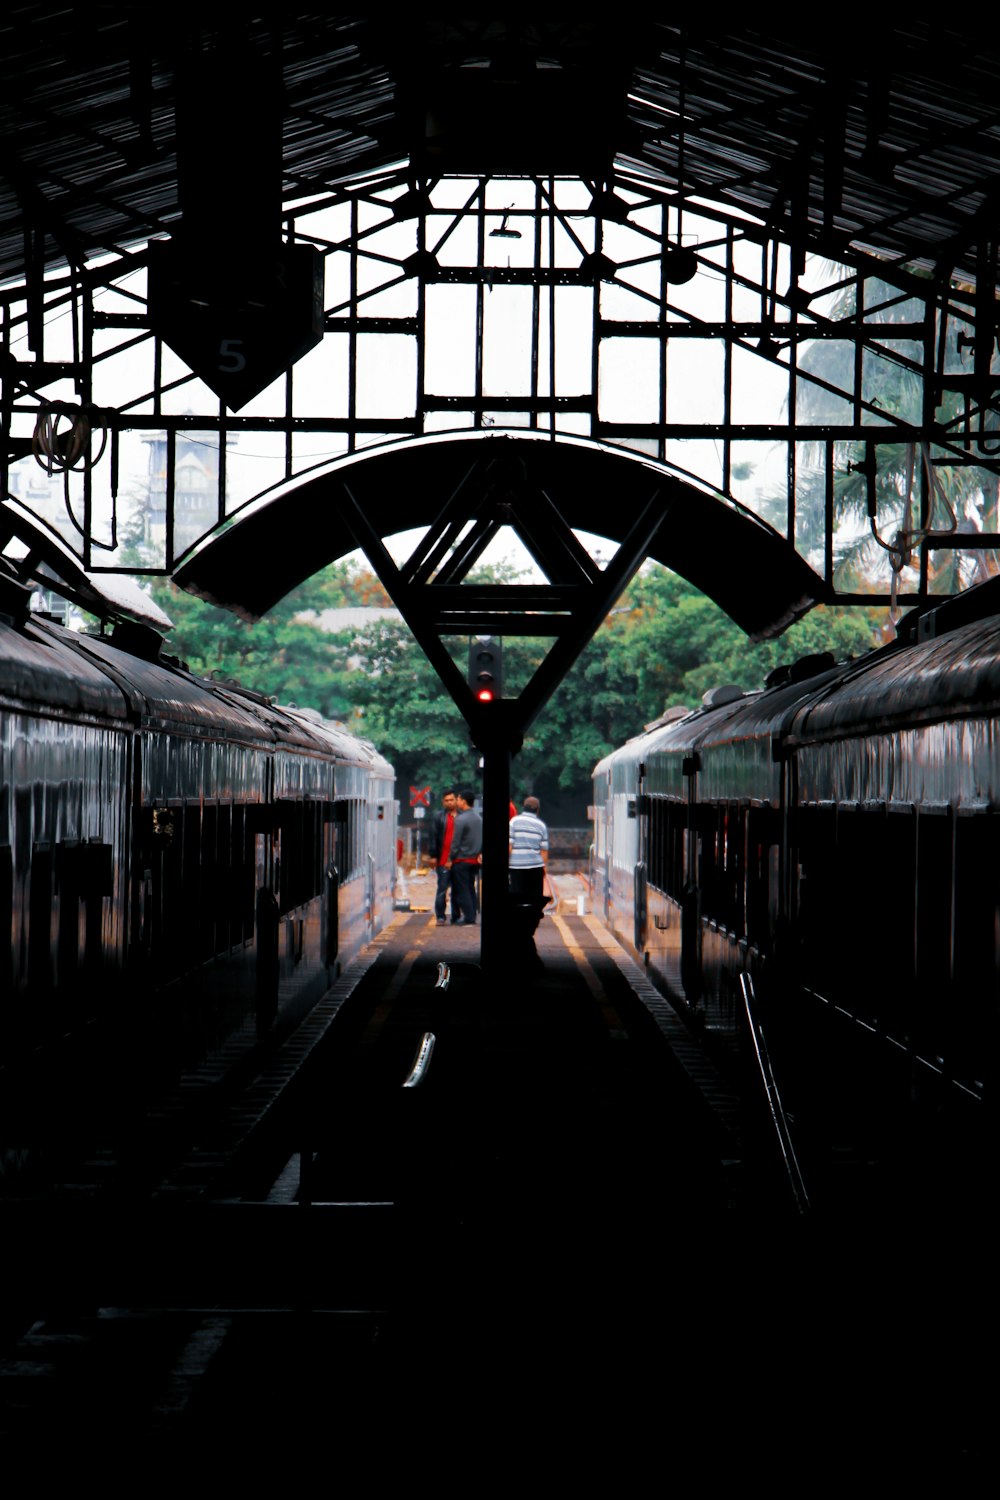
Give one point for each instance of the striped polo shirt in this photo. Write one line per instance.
(528, 837)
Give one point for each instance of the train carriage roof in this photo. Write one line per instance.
(953, 676)
(45, 668)
(163, 697)
(755, 714)
(39, 672)
(339, 742)
(166, 697)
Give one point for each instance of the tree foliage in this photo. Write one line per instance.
(284, 655)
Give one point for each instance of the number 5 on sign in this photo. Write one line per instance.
(230, 357)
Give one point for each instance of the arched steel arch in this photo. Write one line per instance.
(491, 479)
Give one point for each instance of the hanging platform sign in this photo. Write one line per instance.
(240, 324)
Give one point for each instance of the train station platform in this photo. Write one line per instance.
(537, 1259)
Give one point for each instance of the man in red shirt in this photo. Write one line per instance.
(442, 832)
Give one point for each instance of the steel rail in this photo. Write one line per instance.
(421, 1062)
(779, 1118)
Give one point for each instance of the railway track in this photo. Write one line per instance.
(542, 1219)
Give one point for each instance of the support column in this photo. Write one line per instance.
(494, 936)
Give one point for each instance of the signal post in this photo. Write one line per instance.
(496, 739)
(496, 750)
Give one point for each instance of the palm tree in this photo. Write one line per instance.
(883, 547)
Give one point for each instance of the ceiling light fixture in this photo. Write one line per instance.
(503, 233)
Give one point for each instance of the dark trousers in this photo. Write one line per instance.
(526, 905)
(441, 899)
(463, 890)
(526, 890)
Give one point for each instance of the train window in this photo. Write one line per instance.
(654, 841)
(68, 870)
(677, 825)
(360, 813)
(240, 889)
(160, 835)
(40, 919)
(665, 853)
(209, 886)
(763, 829)
(707, 823)
(732, 837)
(976, 987)
(855, 934)
(862, 936)
(97, 880)
(818, 898)
(288, 878)
(302, 851)
(224, 866)
(934, 922)
(722, 832)
(6, 927)
(183, 921)
(342, 816)
(897, 909)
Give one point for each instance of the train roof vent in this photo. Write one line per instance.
(138, 640)
(669, 716)
(801, 670)
(727, 692)
(15, 598)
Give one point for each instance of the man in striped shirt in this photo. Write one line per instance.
(529, 855)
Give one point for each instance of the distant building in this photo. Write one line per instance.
(196, 487)
(356, 617)
(42, 493)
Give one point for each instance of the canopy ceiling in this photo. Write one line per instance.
(847, 131)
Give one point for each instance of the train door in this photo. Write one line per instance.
(640, 809)
(367, 812)
(691, 894)
(605, 814)
(267, 915)
(332, 854)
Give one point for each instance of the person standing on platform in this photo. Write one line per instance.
(442, 834)
(466, 849)
(529, 857)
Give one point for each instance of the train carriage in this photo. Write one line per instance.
(182, 863)
(834, 836)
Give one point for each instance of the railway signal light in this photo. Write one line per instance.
(486, 668)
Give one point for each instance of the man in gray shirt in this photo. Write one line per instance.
(466, 847)
(529, 858)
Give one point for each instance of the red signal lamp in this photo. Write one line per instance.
(486, 668)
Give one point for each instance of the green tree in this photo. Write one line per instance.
(283, 655)
(401, 705)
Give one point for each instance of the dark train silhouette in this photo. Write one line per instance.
(836, 837)
(182, 864)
